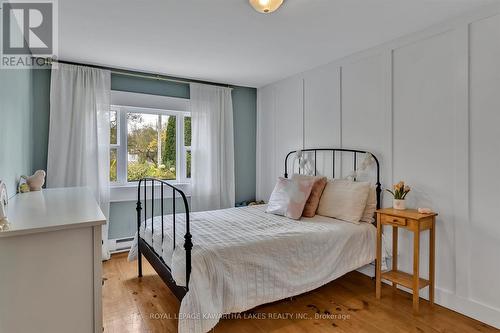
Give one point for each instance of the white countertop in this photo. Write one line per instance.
(50, 210)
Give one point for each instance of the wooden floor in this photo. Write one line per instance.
(345, 305)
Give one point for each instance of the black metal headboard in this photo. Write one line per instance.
(334, 150)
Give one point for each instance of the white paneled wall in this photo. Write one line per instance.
(484, 164)
(428, 105)
(322, 107)
(366, 110)
(424, 140)
(288, 122)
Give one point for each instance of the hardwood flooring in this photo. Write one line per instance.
(347, 304)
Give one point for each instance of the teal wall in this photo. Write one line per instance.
(24, 128)
(148, 86)
(122, 216)
(41, 116)
(16, 126)
(245, 134)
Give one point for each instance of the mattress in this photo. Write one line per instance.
(243, 257)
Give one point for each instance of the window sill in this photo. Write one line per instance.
(135, 184)
(128, 192)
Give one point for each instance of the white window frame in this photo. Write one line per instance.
(125, 102)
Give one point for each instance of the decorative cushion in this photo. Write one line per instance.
(316, 191)
(371, 206)
(344, 200)
(289, 197)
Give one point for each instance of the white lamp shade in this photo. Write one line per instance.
(266, 6)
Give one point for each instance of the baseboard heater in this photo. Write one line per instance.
(120, 244)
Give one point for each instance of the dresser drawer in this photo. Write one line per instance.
(387, 219)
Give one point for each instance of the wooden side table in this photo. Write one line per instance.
(415, 222)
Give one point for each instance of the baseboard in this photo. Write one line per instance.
(118, 245)
(470, 308)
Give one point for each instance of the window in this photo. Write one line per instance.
(149, 143)
(187, 145)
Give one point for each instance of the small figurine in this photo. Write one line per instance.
(36, 181)
(23, 186)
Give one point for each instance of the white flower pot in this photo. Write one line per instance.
(398, 204)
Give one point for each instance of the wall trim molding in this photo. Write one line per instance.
(469, 307)
(449, 300)
(461, 197)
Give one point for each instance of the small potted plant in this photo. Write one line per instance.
(399, 192)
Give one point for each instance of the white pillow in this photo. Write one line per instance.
(344, 200)
(289, 197)
(371, 206)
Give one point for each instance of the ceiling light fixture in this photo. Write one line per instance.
(266, 6)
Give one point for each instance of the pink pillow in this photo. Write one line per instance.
(316, 192)
(289, 197)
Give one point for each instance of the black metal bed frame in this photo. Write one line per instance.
(378, 186)
(156, 260)
(147, 250)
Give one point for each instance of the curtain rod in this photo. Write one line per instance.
(158, 77)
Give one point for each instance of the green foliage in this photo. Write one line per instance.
(143, 142)
(112, 167)
(137, 171)
(113, 133)
(187, 131)
(113, 127)
(169, 147)
(188, 164)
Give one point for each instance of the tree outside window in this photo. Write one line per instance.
(151, 147)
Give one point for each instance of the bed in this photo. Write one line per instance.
(243, 257)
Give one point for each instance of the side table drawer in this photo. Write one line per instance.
(387, 219)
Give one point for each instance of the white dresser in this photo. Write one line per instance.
(50, 263)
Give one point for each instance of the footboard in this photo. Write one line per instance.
(149, 190)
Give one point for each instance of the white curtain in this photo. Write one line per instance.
(79, 131)
(212, 148)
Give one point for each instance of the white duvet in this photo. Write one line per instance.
(244, 257)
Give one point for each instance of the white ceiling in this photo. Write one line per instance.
(227, 41)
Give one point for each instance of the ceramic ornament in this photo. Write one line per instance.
(36, 181)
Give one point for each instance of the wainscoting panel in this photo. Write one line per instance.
(367, 114)
(289, 120)
(322, 113)
(424, 113)
(428, 104)
(485, 160)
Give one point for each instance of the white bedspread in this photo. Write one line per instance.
(244, 257)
